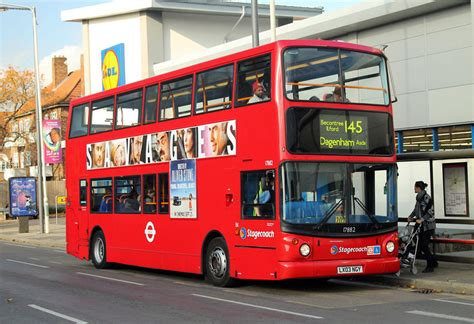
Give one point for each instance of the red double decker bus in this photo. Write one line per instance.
(272, 163)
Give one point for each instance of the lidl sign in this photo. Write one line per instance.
(113, 67)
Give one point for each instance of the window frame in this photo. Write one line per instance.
(90, 194)
(140, 209)
(157, 104)
(141, 117)
(191, 112)
(113, 115)
(232, 92)
(236, 80)
(340, 73)
(167, 212)
(242, 195)
(87, 104)
(154, 175)
(83, 190)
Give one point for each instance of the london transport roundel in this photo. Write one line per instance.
(150, 232)
(110, 70)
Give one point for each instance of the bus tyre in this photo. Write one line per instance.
(98, 250)
(217, 263)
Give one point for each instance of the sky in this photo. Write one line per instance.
(65, 38)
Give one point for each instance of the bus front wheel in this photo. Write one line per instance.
(98, 250)
(217, 263)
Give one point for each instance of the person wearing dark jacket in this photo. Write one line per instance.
(423, 214)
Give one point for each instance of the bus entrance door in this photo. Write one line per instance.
(255, 245)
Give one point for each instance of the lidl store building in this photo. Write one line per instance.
(428, 42)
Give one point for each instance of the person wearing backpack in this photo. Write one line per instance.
(423, 214)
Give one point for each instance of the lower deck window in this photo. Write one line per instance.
(258, 194)
(101, 195)
(127, 195)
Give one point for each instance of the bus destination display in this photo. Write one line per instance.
(343, 132)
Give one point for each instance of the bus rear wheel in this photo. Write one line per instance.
(98, 250)
(217, 263)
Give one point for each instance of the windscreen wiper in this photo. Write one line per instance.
(371, 215)
(329, 213)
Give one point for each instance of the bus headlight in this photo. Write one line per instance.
(305, 250)
(390, 246)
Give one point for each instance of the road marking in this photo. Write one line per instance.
(59, 251)
(453, 302)
(20, 245)
(54, 262)
(69, 318)
(444, 316)
(111, 279)
(261, 307)
(31, 258)
(27, 263)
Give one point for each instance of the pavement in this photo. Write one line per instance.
(449, 277)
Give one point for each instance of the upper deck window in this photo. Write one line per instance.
(254, 80)
(79, 121)
(129, 109)
(214, 89)
(102, 115)
(151, 99)
(176, 98)
(333, 75)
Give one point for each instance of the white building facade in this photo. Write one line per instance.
(430, 47)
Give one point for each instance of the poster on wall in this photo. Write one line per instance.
(52, 141)
(455, 189)
(183, 198)
(23, 196)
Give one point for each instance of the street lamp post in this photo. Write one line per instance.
(43, 207)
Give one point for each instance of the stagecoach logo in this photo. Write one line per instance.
(370, 250)
(244, 233)
(150, 232)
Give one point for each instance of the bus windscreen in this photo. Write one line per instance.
(330, 131)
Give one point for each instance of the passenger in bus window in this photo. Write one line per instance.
(259, 93)
(118, 152)
(163, 146)
(106, 203)
(150, 203)
(131, 203)
(98, 154)
(136, 151)
(337, 96)
(218, 139)
(188, 139)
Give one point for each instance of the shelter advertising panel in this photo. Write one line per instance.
(23, 196)
(52, 141)
(211, 140)
(455, 189)
(183, 189)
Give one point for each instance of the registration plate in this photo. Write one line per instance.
(350, 269)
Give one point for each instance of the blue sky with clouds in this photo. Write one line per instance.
(65, 38)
